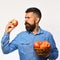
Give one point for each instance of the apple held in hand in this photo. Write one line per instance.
(42, 48)
(14, 22)
(11, 25)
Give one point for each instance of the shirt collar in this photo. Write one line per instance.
(40, 31)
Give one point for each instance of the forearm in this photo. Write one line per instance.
(6, 46)
(53, 55)
(5, 43)
(54, 50)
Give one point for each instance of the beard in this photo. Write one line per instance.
(30, 27)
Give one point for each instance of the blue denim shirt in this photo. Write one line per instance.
(24, 43)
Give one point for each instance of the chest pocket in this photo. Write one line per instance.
(26, 47)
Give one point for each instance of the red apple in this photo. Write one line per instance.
(37, 44)
(42, 48)
(14, 22)
(45, 44)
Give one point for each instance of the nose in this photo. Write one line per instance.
(26, 19)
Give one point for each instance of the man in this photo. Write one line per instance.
(24, 41)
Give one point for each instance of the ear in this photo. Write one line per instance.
(37, 20)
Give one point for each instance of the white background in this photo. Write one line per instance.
(10, 9)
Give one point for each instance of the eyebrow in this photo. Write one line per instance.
(27, 17)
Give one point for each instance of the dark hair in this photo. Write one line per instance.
(34, 10)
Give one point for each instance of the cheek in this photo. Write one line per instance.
(29, 21)
(32, 21)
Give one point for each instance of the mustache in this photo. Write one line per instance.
(27, 23)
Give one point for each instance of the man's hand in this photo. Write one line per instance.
(9, 27)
